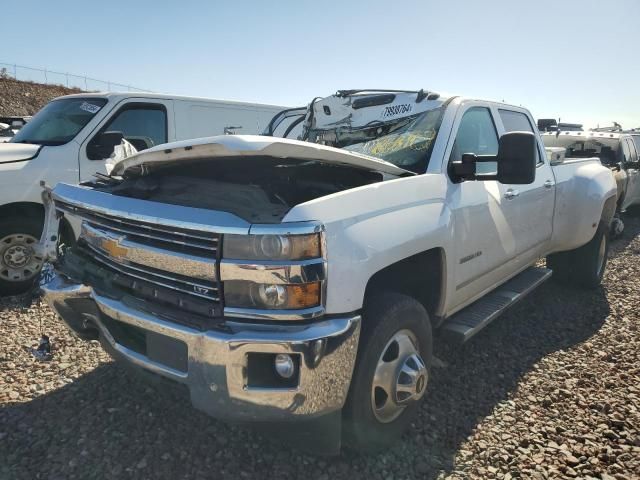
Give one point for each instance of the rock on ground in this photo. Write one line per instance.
(550, 390)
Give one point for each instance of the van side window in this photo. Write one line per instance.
(636, 140)
(626, 152)
(476, 134)
(141, 124)
(518, 122)
(632, 150)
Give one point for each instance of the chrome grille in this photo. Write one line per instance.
(163, 279)
(181, 259)
(172, 238)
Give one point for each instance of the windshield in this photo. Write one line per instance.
(408, 147)
(59, 121)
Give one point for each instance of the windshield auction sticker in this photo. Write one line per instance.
(89, 107)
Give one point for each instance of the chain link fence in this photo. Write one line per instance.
(69, 80)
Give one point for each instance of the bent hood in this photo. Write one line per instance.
(18, 152)
(225, 146)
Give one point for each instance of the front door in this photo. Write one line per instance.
(479, 223)
(144, 123)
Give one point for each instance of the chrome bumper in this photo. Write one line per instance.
(216, 370)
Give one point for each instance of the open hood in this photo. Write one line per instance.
(225, 146)
(18, 152)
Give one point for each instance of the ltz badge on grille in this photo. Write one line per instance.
(201, 290)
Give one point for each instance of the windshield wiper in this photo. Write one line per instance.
(45, 143)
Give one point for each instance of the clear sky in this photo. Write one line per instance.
(572, 59)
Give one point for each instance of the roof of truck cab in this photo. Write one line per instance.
(164, 96)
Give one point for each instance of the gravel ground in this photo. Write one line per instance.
(550, 390)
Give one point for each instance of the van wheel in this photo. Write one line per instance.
(19, 264)
(584, 266)
(391, 374)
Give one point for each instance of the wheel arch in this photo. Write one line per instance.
(609, 210)
(35, 210)
(421, 276)
(28, 209)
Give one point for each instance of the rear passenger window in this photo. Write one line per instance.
(517, 122)
(476, 134)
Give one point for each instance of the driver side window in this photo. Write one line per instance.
(476, 134)
(144, 125)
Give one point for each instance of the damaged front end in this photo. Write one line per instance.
(189, 271)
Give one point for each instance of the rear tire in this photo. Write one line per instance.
(396, 341)
(584, 266)
(19, 266)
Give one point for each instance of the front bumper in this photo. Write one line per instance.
(215, 367)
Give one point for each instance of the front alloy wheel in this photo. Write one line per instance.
(400, 378)
(391, 372)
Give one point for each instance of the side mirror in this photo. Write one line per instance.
(516, 161)
(517, 158)
(102, 145)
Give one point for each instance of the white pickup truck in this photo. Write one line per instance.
(70, 138)
(282, 280)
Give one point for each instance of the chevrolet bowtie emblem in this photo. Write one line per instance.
(113, 248)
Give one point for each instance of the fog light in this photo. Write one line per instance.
(273, 296)
(284, 365)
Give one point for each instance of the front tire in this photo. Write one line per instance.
(391, 373)
(19, 264)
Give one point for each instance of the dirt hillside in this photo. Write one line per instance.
(26, 98)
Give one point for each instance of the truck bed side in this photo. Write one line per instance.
(585, 194)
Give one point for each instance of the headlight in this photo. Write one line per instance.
(271, 297)
(272, 247)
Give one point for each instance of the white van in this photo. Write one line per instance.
(69, 140)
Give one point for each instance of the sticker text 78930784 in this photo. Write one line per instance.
(394, 110)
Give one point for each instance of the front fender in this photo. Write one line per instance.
(374, 226)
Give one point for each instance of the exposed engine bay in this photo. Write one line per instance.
(257, 189)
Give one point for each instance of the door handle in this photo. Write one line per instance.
(511, 194)
(549, 184)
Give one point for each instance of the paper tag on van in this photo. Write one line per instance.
(89, 107)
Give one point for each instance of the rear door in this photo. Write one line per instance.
(630, 163)
(527, 209)
(143, 122)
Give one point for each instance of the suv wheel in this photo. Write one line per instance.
(19, 264)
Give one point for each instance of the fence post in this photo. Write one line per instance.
(67, 79)
(15, 71)
(85, 84)
(46, 80)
